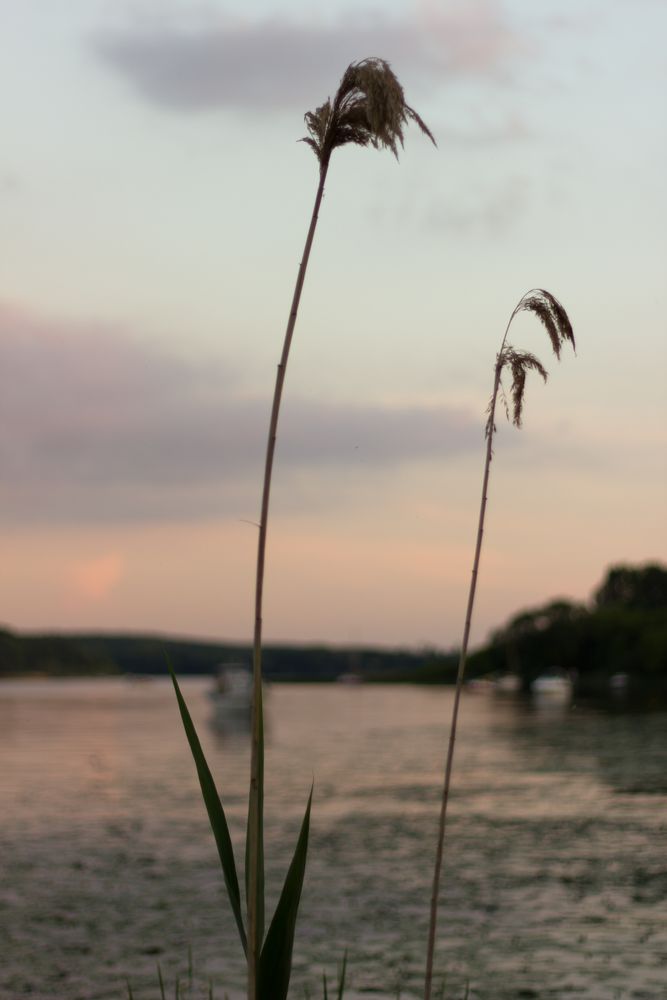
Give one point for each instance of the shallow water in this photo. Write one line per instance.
(556, 873)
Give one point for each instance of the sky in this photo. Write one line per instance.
(154, 200)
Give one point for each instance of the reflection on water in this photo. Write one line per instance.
(555, 880)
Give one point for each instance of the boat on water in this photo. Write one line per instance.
(481, 685)
(232, 695)
(508, 684)
(552, 687)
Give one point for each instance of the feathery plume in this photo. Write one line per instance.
(552, 315)
(369, 109)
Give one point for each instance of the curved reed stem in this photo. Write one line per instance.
(368, 109)
(256, 797)
(555, 319)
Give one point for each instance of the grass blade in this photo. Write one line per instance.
(275, 964)
(258, 803)
(161, 982)
(341, 977)
(216, 813)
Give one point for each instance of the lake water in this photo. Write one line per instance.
(555, 882)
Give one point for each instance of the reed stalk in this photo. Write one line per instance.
(256, 798)
(553, 317)
(368, 109)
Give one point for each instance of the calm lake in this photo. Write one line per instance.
(555, 881)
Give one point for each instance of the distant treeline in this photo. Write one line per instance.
(91, 655)
(623, 631)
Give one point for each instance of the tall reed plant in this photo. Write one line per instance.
(555, 320)
(368, 109)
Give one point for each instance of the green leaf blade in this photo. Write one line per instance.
(259, 896)
(275, 964)
(341, 977)
(216, 813)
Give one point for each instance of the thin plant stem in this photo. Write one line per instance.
(455, 710)
(435, 892)
(255, 818)
(368, 109)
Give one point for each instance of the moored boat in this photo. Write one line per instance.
(232, 694)
(556, 687)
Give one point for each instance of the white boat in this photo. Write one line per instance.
(232, 694)
(481, 685)
(550, 687)
(508, 684)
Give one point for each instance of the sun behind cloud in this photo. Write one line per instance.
(94, 579)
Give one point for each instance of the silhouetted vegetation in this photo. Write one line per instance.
(52, 656)
(623, 631)
(89, 655)
(642, 588)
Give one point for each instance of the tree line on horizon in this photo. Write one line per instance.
(623, 630)
(88, 655)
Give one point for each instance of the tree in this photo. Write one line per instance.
(635, 587)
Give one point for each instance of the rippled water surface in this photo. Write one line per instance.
(556, 872)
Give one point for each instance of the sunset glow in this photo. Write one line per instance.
(154, 198)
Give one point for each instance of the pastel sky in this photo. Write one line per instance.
(154, 200)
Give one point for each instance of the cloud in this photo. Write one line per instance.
(97, 426)
(480, 210)
(10, 182)
(488, 209)
(484, 133)
(199, 62)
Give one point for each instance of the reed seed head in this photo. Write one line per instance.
(556, 322)
(368, 109)
(551, 314)
(520, 363)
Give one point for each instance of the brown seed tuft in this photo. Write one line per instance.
(552, 315)
(556, 322)
(519, 363)
(369, 109)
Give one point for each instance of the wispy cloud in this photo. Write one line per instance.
(97, 426)
(10, 182)
(486, 133)
(202, 61)
(490, 212)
